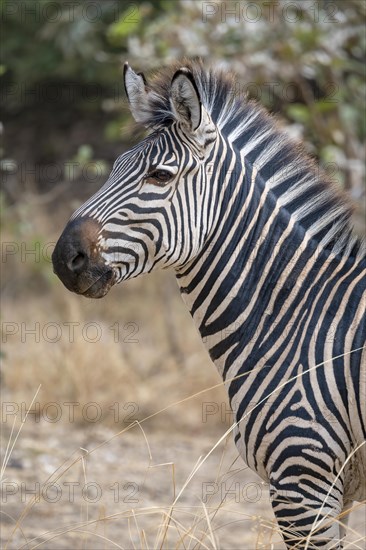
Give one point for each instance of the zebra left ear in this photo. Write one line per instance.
(137, 94)
(185, 99)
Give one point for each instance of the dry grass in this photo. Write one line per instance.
(150, 495)
(160, 504)
(170, 457)
(131, 347)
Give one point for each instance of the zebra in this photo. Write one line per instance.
(263, 251)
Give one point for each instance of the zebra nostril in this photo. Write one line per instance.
(78, 262)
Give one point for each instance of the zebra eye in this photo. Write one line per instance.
(158, 177)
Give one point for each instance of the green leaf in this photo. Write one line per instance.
(128, 23)
(298, 112)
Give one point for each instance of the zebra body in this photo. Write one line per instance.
(265, 260)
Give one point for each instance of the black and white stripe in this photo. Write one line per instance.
(267, 264)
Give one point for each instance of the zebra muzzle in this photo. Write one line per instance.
(77, 261)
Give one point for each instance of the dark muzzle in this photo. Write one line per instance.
(77, 261)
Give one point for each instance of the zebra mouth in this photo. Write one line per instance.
(100, 287)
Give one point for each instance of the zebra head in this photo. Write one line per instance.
(154, 210)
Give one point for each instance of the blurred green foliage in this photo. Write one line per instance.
(304, 60)
(83, 162)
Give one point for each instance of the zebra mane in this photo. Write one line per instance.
(298, 183)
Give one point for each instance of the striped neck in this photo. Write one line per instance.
(301, 189)
(256, 251)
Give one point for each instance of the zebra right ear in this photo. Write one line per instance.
(137, 94)
(185, 99)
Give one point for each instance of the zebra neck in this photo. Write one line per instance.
(230, 288)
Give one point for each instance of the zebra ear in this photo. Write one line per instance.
(137, 94)
(185, 99)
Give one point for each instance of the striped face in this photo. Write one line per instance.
(150, 210)
(154, 209)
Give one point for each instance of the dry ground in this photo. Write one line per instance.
(89, 487)
(132, 492)
(102, 365)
